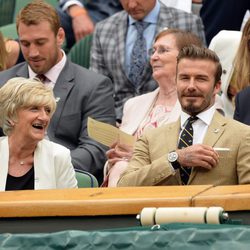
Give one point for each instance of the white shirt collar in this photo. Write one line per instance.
(54, 72)
(152, 16)
(206, 116)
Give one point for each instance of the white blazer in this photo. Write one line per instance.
(225, 44)
(52, 165)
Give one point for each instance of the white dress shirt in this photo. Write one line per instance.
(53, 73)
(200, 126)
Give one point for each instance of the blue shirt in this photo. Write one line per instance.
(148, 33)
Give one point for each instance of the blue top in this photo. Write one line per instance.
(149, 33)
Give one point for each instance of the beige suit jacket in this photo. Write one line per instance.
(149, 165)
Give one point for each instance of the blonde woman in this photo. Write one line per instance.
(28, 161)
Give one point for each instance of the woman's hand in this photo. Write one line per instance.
(119, 152)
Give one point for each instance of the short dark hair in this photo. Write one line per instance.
(195, 52)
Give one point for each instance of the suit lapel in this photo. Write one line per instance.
(171, 135)
(62, 88)
(4, 162)
(165, 16)
(43, 165)
(120, 34)
(214, 132)
(23, 71)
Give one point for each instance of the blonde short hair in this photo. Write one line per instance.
(19, 93)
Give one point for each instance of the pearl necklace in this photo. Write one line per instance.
(21, 163)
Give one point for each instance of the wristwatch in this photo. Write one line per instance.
(172, 158)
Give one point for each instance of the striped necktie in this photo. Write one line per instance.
(186, 139)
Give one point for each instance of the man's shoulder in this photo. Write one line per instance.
(230, 124)
(85, 78)
(78, 72)
(177, 13)
(166, 128)
(244, 95)
(113, 20)
(17, 70)
(54, 147)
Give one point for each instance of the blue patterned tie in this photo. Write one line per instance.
(186, 139)
(139, 54)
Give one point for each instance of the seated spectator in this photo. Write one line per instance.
(202, 147)
(225, 44)
(242, 77)
(235, 56)
(28, 161)
(153, 109)
(222, 15)
(78, 19)
(80, 92)
(120, 45)
(10, 53)
(179, 4)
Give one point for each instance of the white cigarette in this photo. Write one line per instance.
(222, 149)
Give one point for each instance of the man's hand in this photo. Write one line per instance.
(81, 22)
(198, 155)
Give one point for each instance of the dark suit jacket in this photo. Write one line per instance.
(242, 103)
(82, 94)
(222, 15)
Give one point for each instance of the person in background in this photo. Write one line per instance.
(80, 92)
(202, 147)
(232, 47)
(222, 15)
(10, 53)
(153, 109)
(120, 45)
(225, 44)
(78, 18)
(28, 161)
(242, 77)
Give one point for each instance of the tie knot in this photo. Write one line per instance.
(141, 26)
(192, 119)
(41, 77)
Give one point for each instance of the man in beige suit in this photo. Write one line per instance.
(220, 150)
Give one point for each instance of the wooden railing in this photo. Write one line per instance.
(119, 201)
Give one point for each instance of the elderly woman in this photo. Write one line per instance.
(27, 160)
(153, 109)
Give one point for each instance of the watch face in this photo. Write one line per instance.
(172, 157)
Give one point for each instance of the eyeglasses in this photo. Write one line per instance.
(160, 50)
